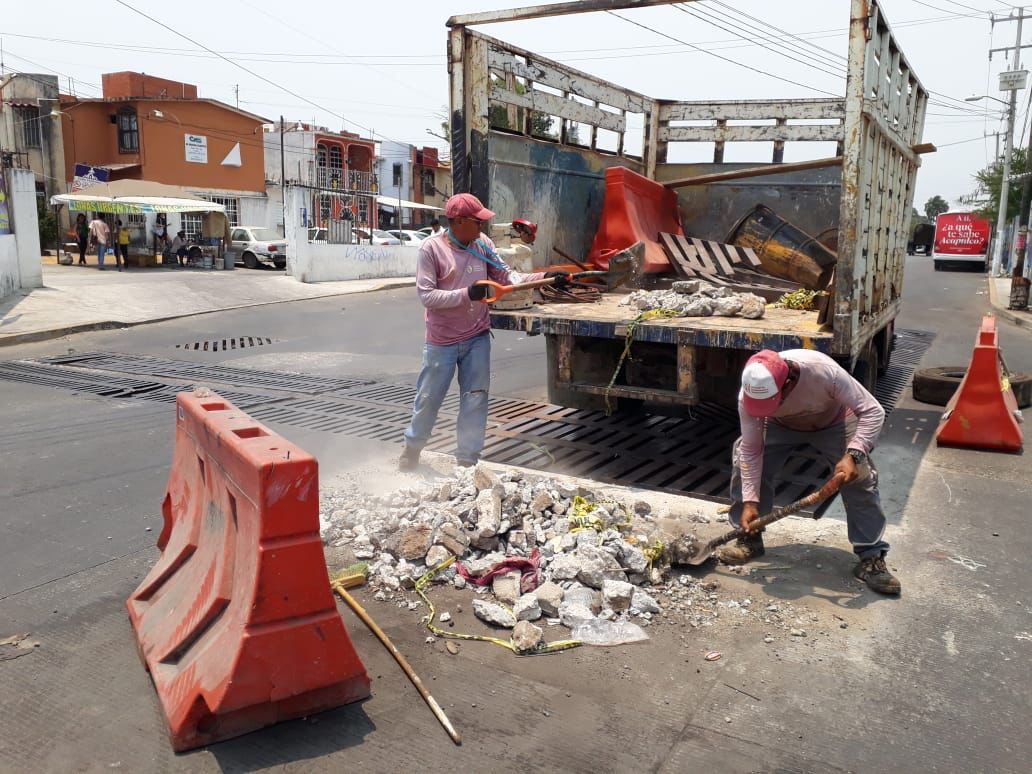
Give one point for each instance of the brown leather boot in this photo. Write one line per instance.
(743, 550)
(876, 575)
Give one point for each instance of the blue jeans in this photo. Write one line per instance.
(472, 357)
(101, 250)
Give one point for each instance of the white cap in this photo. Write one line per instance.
(758, 382)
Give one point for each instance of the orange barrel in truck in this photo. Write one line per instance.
(961, 237)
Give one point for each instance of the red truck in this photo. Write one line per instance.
(960, 236)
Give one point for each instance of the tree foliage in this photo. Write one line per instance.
(47, 224)
(990, 180)
(540, 123)
(936, 206)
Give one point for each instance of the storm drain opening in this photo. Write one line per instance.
(222, 345)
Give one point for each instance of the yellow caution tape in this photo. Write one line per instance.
(543, 648)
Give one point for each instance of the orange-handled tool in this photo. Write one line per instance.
(499, 290)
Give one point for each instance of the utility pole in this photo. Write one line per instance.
(283, 175)
(1001, 217)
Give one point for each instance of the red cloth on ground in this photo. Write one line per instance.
(528, 568)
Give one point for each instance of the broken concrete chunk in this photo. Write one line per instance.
(436, 555)
(489, 512)
(454, 539)
(542, 500)
(565, 566)
(484, 478)
(493, 613)
(549, 596)
(414, 543)
(582, 595)
(527, 608)
(572, 614)
(526, 637)
(617, 594)
(688, 286)
(727, 307)
(753, 306)
(518, 539)
(478, 567)
(632, 558)
(643, 603)
(596, 565)
(506, 587)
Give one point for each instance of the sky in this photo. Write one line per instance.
(378, 68)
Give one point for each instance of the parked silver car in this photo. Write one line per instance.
(254, 245)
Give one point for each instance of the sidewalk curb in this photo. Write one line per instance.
(1002, 311)
(47, 334)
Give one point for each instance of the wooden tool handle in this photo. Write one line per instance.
(830, 487)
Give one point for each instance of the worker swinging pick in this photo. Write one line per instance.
(804, 397)
(458, 324)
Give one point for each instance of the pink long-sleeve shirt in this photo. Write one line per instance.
(443, 274)
(824, 396)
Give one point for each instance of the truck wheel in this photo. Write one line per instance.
(250, 260)
(939, 265)
(866, 369)
(937, 385)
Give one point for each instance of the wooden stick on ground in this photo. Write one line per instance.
(402, 662)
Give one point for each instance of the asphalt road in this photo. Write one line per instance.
(934, 681)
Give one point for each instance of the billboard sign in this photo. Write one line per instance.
(85, 176)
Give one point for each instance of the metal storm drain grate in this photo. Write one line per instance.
(221, 345)
(906, 356)
(689, 454)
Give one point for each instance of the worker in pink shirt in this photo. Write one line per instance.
(458, 327)
(802, 397)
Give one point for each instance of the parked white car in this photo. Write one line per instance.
(407, 236)
(254, 245)
(380, 237)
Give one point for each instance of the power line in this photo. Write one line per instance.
(248, 70)
(718, 56)
(779, 52)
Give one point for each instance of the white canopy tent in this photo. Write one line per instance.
(388, 201)
(129, 197)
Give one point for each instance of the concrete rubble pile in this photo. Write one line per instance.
(698, 298)
(590, 568)
(591, 571)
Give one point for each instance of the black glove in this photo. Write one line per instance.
(478, 292)
(562, 280)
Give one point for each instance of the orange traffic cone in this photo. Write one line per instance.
(983, 413)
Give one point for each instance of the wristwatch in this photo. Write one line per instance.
(858, 456)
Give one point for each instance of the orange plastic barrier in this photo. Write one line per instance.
(983, 413)
(635, 208)
(236, 622)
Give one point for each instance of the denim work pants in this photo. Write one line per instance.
(101, 250)
(472, 358)
(865, 520)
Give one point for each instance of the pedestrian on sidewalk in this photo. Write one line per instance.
(82, 236)
(435, 227)
(178, 248)
(160, 231)
(122, 245)
(100, 235)
(458, 326)
(802, 397)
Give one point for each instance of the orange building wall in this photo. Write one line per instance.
(130, 84)
(91, 138)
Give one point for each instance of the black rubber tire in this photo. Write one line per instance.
(937, 385)
(866, 369)
(195, 253)
(250, 260)
(939, 265)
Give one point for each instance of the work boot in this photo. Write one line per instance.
(876, 575)
(463, 463)
(743, 550)
(409, 459)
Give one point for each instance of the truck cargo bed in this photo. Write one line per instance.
(779, 329)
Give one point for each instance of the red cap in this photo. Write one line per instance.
(466, 205)
(762, 379)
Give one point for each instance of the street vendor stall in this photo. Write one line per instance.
(141, 197)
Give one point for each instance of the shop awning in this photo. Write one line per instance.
(134, 197)
(387, 201)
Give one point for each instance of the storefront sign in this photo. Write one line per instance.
(197, 148)
(85, 176)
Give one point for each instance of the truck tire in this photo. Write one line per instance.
(937, 385)
(939, 265)
(866, 369)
